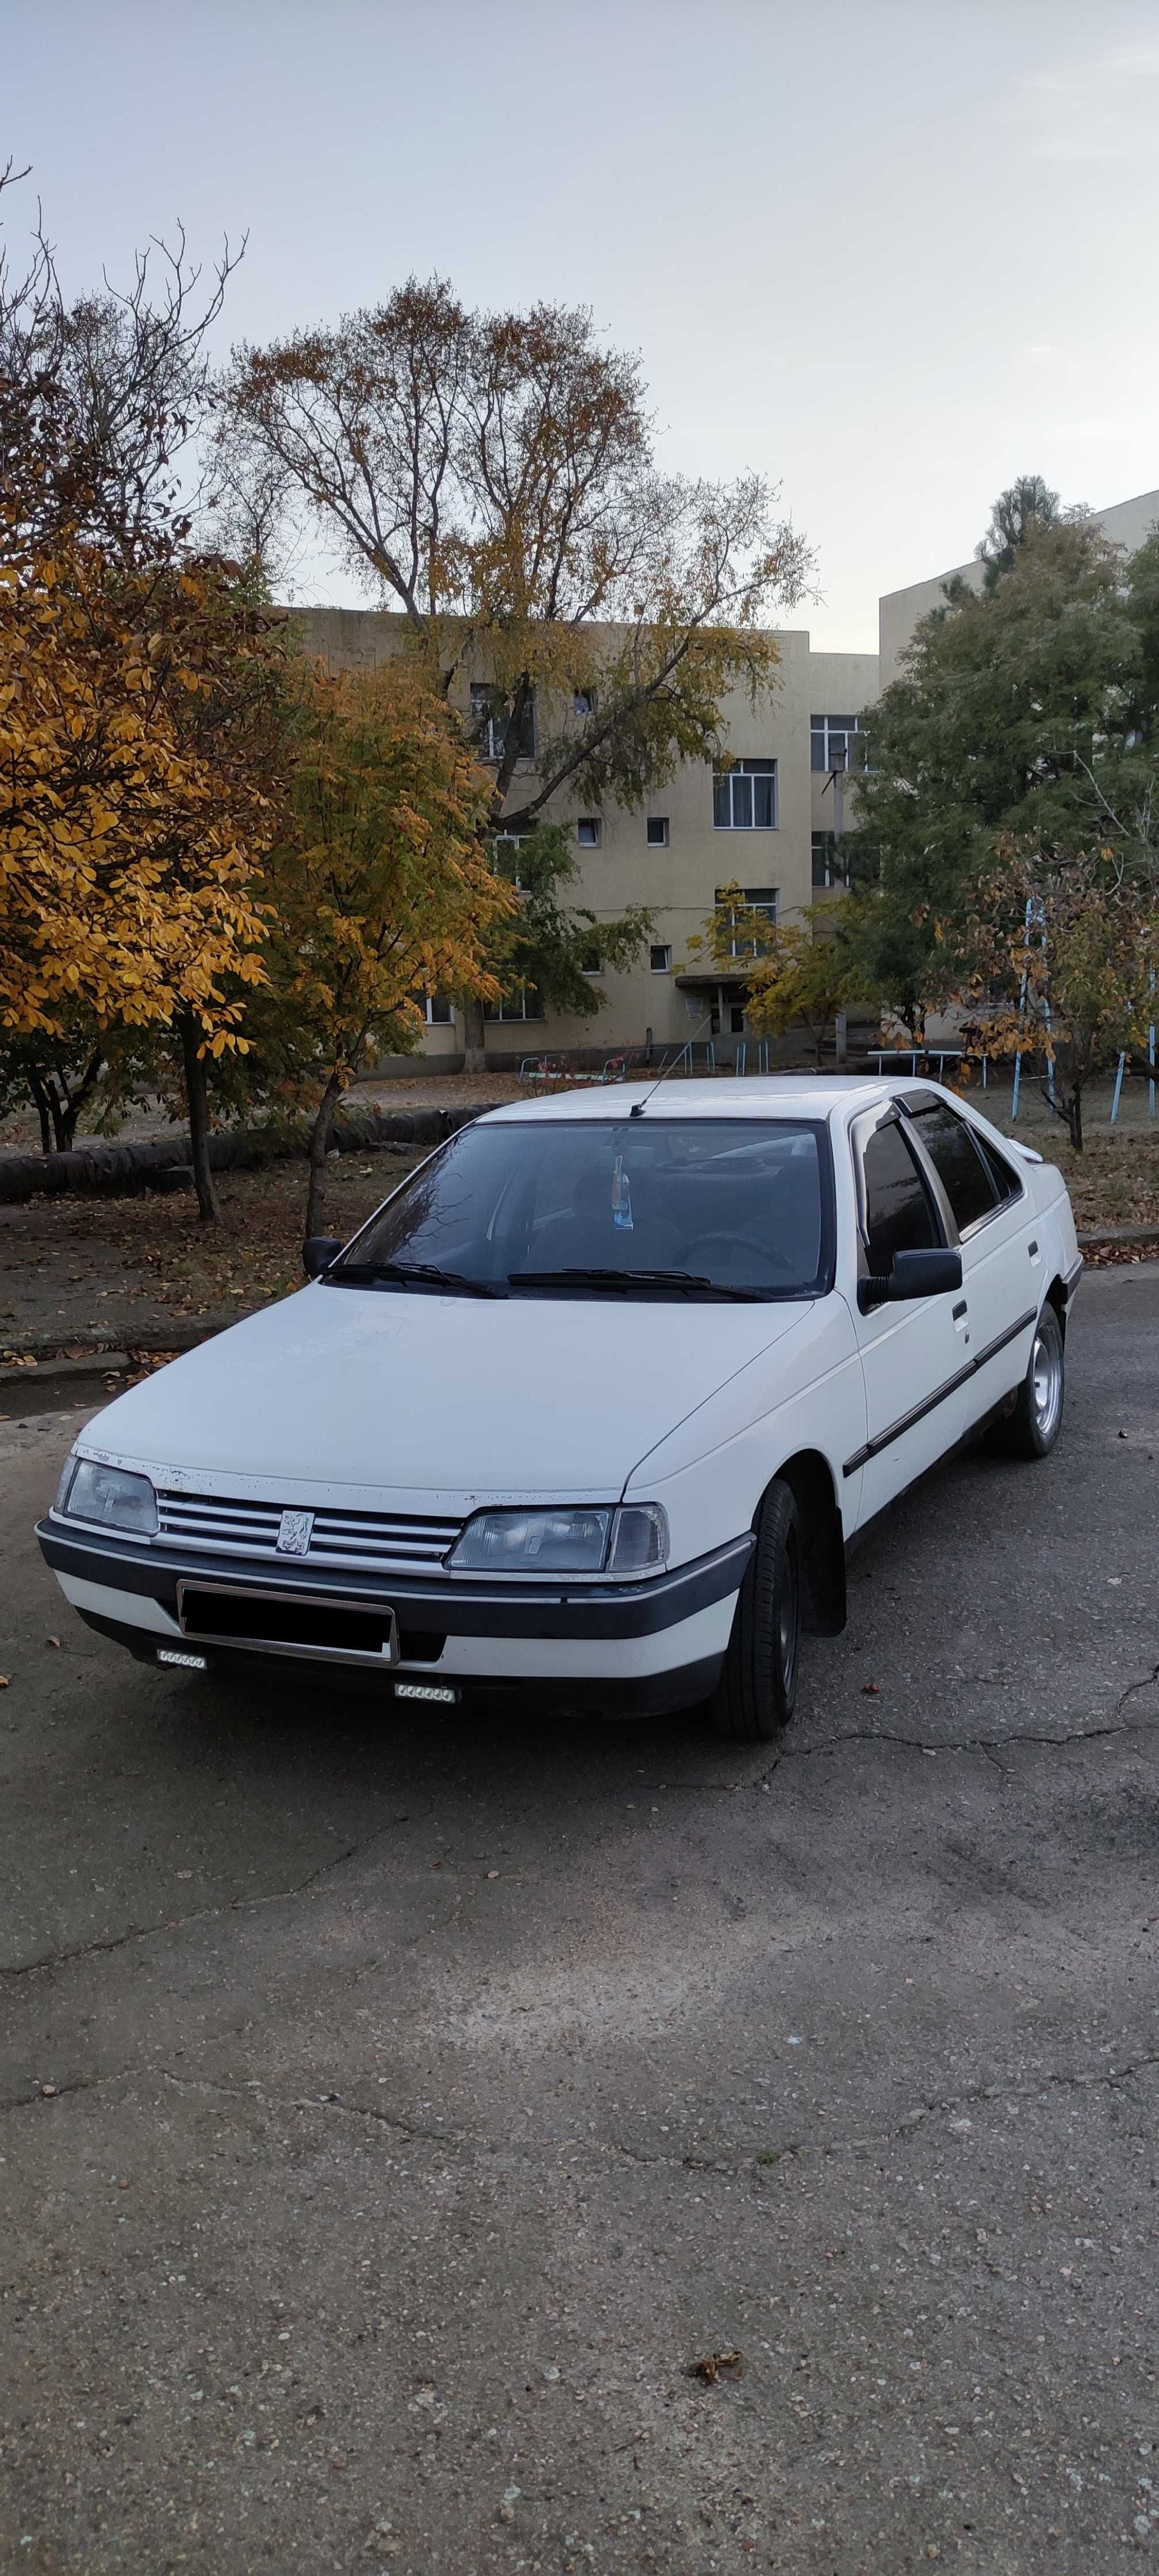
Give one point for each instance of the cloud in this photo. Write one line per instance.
(1087, 111)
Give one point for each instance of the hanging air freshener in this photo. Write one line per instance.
(621, 1195)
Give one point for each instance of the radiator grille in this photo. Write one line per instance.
(367, 1541)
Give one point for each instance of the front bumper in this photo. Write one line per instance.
(661, 1640)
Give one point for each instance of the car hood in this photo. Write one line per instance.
(379, 1395)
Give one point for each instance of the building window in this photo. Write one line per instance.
(736, 1019)
(660, 960)
(744, 798)
(833, 744)
(490, 716)
(591, 962)
(657, 831)
(440, 1012)
(584, 702)
(746, 941)
(827, 867)
(526, 1004)
(506, 847)
(589, 831)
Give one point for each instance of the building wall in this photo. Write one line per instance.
(678, 883)
(1127, 523)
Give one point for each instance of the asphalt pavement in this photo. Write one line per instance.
(396, 2113)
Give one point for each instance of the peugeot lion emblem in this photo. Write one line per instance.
(294, 1533)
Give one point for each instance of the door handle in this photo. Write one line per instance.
(959, 1310)
(1032, 1251)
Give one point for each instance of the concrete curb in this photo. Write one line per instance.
(1140, 1234)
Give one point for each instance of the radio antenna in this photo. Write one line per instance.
(639, 1106)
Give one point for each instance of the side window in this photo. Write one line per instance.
(965, 1177)
(1006, 1182)
(899, 1216)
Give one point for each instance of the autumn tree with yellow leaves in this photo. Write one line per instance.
(379, 891)
(796, 974)
(140, 726)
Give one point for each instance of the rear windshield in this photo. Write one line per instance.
(691, 1206)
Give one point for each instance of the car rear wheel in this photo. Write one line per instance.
(757, 1691)
(1031, 1430)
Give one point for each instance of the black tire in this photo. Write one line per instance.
(1031, 1430)
(757, 1691)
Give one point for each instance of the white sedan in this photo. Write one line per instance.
(593, 1406)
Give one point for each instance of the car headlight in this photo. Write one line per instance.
(108, 1494)
(632, 1540)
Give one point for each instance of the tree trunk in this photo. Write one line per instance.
(320, 1135)
(66, 1110)
(474, 1046)
(1076, 1122)
(40, 1097)
(196, 1097)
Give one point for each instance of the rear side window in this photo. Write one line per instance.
(965, 1177)
(1006, 1182)
(898, 1212)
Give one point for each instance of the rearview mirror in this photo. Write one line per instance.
(318, 1251)
(914, 1274)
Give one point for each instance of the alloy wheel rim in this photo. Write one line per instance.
(1046, 1380)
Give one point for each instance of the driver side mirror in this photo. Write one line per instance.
(318, 1251)
(931, 1273)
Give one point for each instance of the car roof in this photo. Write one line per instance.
(800, 1095)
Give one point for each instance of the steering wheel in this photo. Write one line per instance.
(737, 1243)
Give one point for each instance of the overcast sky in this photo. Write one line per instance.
(892, 255)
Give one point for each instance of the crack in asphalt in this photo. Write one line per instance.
(200, 1914)
(990, 1747)
(739, 2167)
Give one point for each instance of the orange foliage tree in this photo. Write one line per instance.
(379, 892)
(140, 714)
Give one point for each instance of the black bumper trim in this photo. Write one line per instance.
(601, 1610)
(533, 1696)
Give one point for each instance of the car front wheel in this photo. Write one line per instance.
(1031, 1430)
(757, 1690)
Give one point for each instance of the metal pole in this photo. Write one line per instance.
(1118, 1089)
(1022, 1012)
(1151, 1054)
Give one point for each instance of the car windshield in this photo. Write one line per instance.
(661, 1207)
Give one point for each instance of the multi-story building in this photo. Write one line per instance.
(766, 824)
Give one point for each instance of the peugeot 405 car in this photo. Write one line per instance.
(592, 1407)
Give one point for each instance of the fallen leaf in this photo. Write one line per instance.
(492, 1873)
(5, 1681)
(52, 1641)
(711, 2364)
(871, 1690)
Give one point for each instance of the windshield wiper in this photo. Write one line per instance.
(365, 1274)
(688, 1280)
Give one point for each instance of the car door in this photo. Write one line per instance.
(1002, 1267)
(914, 1358)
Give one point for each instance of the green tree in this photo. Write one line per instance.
(547, 944)
(1010, 707)
(1027, 504)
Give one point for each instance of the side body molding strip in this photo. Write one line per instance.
(917, 1413)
